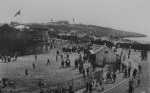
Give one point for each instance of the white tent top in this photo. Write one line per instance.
(21, 27)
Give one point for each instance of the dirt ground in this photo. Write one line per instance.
(52, 74)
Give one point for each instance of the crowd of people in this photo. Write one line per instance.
(8, 57)
(64, 56)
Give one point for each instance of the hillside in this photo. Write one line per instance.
(90, 29)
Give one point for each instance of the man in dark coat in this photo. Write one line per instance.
(131, 88)
(35, 57)
(90, 87)
(87, 71)
(139, 66)
(33, 65)
(87, 86)
(114, 77)
(70, 90)
(76, 63)
(62, 63)
(134, 73)
(83, 71)
(125, 73)
(129, 71)
(26, 72)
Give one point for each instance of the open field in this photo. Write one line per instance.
(52, 74)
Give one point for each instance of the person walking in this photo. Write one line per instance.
(26, 72)
(48, 62)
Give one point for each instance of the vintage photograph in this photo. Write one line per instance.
(74, 46)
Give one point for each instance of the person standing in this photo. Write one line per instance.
(129, 53)
(0, 89)
(125, 73)
(16, 56)
(87, 86)
(67, 56)
(129, 64)
(124, 57)
(76, 63)
(87, 71)
(122, 67)
(129, 71)
(138, 81)
(70, 90)
(61, 56)
(131, 88)
(5, 58)
(35, 57)
(134, 73)
(26, 72)
(69, 62)
(57, 52)
(139, 66)
(83, 71)
(62, 63)
(33, 65)
(90, 87)
(114, 77)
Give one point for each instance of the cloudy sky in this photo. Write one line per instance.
(128, 15)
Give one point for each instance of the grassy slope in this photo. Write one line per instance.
(91, 29)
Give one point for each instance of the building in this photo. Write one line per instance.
(103, 55)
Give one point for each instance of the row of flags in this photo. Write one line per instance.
(19, 13)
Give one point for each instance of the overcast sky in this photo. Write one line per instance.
(128, 15)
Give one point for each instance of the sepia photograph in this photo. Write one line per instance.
(74, 46)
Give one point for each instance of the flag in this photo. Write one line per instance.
(18, 13)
